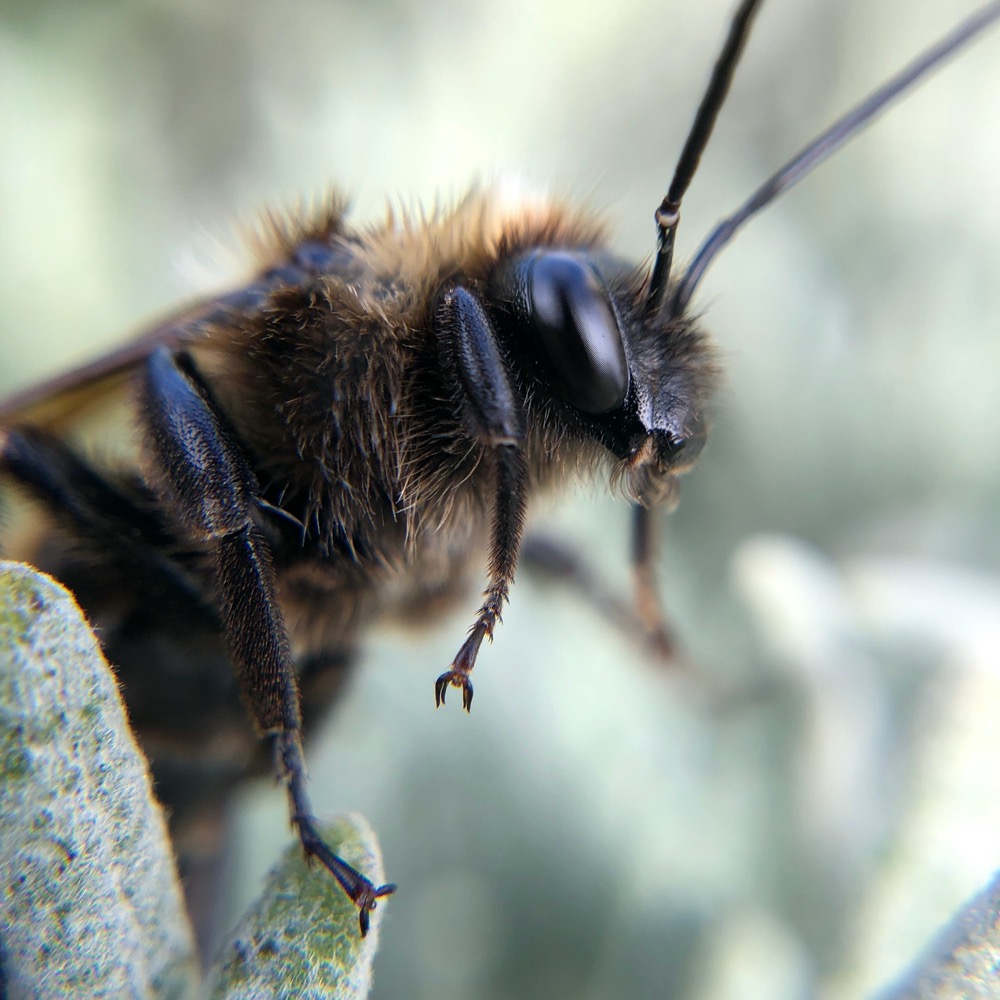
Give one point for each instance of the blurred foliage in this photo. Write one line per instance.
(833, 565)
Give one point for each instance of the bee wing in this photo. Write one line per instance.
(62, 399)
(68, 396)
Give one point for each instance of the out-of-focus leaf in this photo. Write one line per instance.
(90, 904)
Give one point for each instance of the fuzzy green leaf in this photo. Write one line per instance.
(91, 905)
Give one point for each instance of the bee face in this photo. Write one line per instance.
(591, 361)
(856, 322)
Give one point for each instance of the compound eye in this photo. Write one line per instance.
(572, 314)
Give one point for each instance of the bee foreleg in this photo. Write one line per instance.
(201, 471)
(647, 593)
(493, 416)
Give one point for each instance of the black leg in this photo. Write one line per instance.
(291, 766)
(493, 419)
(113, 523)
(200, 471)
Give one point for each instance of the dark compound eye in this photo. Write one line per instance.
(569, 308)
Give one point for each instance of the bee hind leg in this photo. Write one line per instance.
(199, 468)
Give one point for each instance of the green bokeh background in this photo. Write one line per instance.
(596, 828)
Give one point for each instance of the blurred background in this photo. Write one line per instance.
(794, 815)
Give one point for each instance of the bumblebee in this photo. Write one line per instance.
(338, 442)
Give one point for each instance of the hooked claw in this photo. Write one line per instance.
(367, 900)
(456, 678)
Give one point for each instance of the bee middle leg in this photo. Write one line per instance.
(199, 468)
(493, 418)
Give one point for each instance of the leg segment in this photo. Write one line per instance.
(199, 469)
(647, 594)
(505, 540)
(493, 418)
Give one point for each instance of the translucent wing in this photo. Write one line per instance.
(70, 395)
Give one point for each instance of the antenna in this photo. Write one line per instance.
(668, 214)
(812, 155)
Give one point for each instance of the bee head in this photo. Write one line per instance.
(579, 339)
